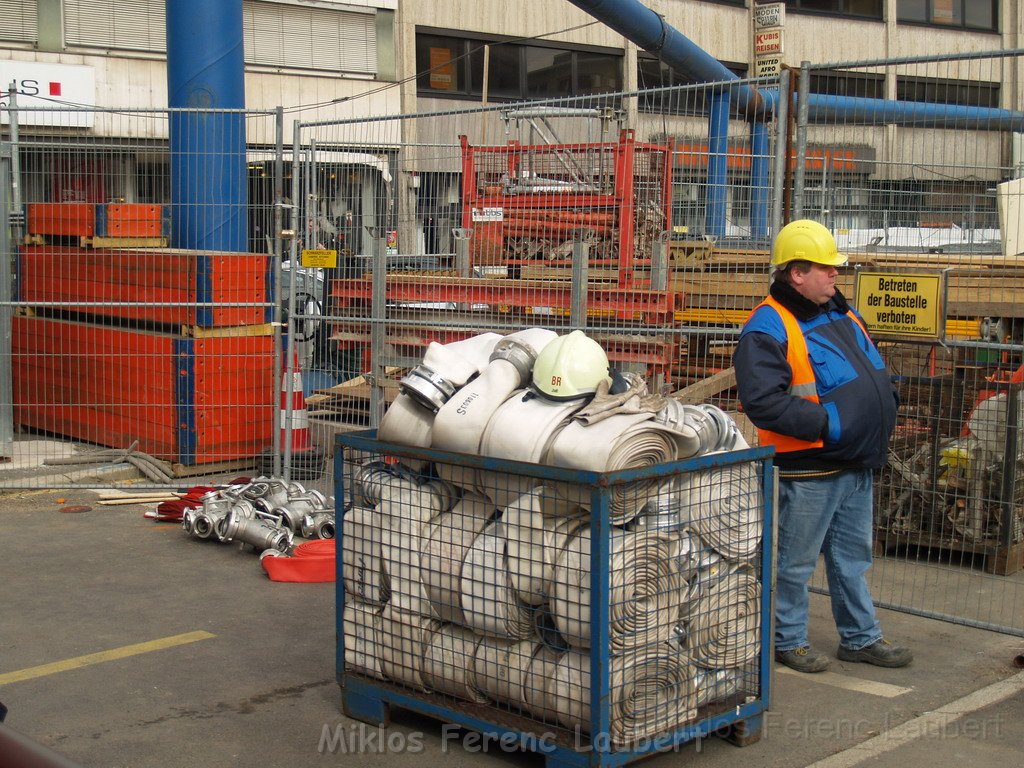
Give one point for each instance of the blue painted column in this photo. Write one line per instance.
(718, 156)
(759, 179)
(206, 73)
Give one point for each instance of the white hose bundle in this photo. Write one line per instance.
(725, 625)
(645, 589)
(500, 668)
(406, 422)
(406, 508)
(448, 663)
(447, 541)
(539, 681)
(521, 429)
(652, 693)
(535, 539)
(362, 638)
(362, 562)
(488, 601)
(623, 441)
(403, 639)
(725, 507)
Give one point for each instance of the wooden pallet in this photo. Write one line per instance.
(230, 331)
(998, 560)
(123, 242)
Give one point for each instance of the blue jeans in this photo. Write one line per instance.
(832, 516)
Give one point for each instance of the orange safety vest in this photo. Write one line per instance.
(802, 383)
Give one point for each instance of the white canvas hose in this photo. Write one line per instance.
(645, 589)
(448, 538)
(446, 367)
(406, 508)
(521, 429)
(535, 539)
(448, 663)
(488, 601)
(362, 638)
(538, 683)
(725, 507)
(500, 668)
(725, 625)
(406, 422)
(362, 562)
(652, 693)
(403, 639)
(623, 441)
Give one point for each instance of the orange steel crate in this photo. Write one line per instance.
(148, 284)
(186, 400)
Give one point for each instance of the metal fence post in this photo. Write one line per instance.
(578, 310)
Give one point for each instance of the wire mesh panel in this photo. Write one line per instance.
(567, 214)
(567, 610)
(141, 319)
(918, 180)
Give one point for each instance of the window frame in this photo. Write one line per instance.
(961, 26)
(794, 6)
(963, 86)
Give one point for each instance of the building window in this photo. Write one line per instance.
(865, 85)
(18, 21)
(966, 14)
(653, 74)
(864, 9)
(447, 65)
(936, 91)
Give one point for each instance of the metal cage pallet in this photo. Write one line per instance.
(594, 730)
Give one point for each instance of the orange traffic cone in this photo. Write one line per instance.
(307, 461)
(294, 422)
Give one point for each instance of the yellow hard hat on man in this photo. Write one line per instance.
(806, 240)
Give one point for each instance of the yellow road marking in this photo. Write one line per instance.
(848, 683)
(96, 658)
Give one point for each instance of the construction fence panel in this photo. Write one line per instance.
(926, 200)
(642, 219)
(141, 310)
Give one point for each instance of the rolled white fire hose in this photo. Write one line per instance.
(447, 540)
(406, 508)
(652, 693)
(406, 422)
(538, 682)
(446, 367)
(535, 539)
(500, 668)
(725, 507)
(521, 429)
(644, 596)
(448, 663)
(362, 638)
(403, 638)
(725, 625)
(623, 441)
(362, 563)
(488, 601)
(461, 421)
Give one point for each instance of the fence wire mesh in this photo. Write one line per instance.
(928, 189)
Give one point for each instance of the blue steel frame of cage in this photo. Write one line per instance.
(367, 701)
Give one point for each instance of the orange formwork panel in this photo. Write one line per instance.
(191, 401)
(132, 220)
(149, 284)
(61, 219)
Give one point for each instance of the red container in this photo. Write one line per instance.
(68, 219)
(190, 401)
(162, 278)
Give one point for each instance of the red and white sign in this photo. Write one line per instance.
(49, 85)
(768, 42)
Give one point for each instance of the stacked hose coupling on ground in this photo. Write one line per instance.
(265, 514)
(477, 583)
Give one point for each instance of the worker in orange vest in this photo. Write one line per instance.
(811, 380)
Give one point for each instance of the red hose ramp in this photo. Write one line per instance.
(312, 562)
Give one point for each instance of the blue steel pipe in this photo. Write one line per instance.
(760, 168)
(206, 75)
(650, 31)
(718, 164)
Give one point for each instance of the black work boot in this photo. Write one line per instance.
(803, 659)
(881, 653)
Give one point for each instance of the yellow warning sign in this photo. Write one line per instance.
(901, 304)
(319, 257)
